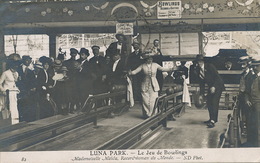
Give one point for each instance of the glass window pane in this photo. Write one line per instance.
(189, 43)
(214, 41)
(249, 40)
(170, 44)
(32, 45)
(147, 40)
(86, 40)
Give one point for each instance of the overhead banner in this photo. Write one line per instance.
(125, 28)
(169, 9)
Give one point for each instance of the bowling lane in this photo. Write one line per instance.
(189, 131)
(88, 137)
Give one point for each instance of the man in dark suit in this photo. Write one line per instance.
(208, 75)
(117, 47)
(98, 68)
(85, 81)
(116, 71)
(253, 101)
(73, 67)
(244, 90)
(135, 60)
(27, 87)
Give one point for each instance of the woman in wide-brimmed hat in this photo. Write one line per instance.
(149, 86)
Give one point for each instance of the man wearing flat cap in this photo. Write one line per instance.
(70, 63)
(253, 101)
(208, 74)
(73, 67)
(27, 87)
(98, 68)
(118, 47)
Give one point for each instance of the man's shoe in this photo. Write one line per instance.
(207, 121)
(211, 125)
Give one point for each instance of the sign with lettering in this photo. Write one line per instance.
(125, 28)
(168, 9)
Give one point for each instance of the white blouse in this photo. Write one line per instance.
(7, 80)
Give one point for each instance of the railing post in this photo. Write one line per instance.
(227, 100)
(236, 125)
(95, 119)
(258, 128)
(231, 133)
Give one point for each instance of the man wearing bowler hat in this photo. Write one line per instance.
(253, 101)
(117, 47)
(208, 74)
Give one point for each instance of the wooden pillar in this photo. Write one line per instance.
(2, 50)
(128, 44)
(201, 50)
(52, 45)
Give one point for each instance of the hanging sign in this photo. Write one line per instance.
(125, 28)
(168, 9)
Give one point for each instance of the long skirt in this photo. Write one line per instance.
(13, 107)
(149, 98)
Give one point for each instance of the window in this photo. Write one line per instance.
(173, 43)
(32, 45)
(77, 41)
(249, 40)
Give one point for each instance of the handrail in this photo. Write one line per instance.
(230, 136)
(134, 134)
(91, 102)
(9, 141)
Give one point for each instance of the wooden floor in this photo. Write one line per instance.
(188, 131)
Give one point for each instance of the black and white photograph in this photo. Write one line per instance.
(129, 81)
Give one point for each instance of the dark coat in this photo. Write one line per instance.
(212, 78)
(134, 60)
(41, 78)
(116, 77)
(182, 70)
(98, 68)
(26, 82)
(85, 72)
(27, 97)
(112, 49)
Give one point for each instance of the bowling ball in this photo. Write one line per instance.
(169, 90)
(117, 88)
(177, 88)
(199, 101)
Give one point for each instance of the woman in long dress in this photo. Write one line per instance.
(149, 86)
(9, 88)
